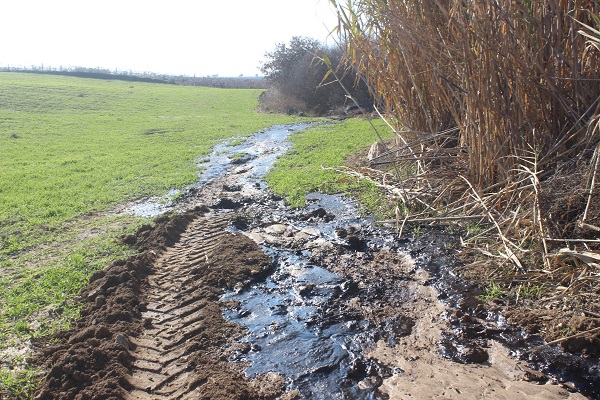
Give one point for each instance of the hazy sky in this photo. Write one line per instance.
(180, 37)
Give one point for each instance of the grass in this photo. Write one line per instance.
(38, 286)
(310, 164)
(493, 292)
(530, 291)
(236, 141)
(18, 385)
(473, 229)
(72, 149)
(239, 158)
(71, 146)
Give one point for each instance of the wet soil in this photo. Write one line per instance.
(241, 298)
(424, 332)
(153, 327)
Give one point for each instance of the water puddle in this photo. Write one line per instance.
(153, 206)
(256, 153)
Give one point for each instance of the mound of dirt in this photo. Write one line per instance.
(91, 360)
(108, 355)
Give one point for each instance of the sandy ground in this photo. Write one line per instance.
(427, 375)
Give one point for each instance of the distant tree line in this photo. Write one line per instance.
(301, 83)
(257, 82)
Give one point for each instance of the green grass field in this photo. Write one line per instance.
(70, 146)
(315, 155)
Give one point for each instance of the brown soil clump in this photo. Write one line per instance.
(152, 326)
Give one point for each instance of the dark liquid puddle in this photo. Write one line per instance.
(294, 332)
(298, 320)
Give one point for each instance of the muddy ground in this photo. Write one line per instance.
(156, 326)
(153, 327)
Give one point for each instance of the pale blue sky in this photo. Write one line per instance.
(202, 37)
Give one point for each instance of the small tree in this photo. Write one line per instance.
(283, 62)
(295, 76)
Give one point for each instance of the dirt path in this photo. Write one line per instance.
(153, 326)
(426, 374)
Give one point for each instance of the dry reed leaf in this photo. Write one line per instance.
(590, 258)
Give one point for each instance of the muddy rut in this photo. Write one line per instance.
(153, 326)
(174, 316)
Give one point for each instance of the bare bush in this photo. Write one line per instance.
(295, 74)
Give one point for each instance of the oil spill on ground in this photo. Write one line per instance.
(256, 153)
(472, 325)
(305, 324)
(330, 243)
(329, 239)
(296, 330)
(302, 320)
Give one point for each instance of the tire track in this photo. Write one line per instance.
(172, 316)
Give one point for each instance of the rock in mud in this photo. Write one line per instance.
(474, 354)
(255, 236)
(353, 242)
(341, 232)
(311, 232)
(319, 213)
(241, 169)
(123, 341)
(533, 375)
(277, 229)
(232, 188)
(227, 204)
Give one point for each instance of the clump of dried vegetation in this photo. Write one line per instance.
(496, 110)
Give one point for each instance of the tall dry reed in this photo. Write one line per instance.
(489, 99)
(513, 76)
